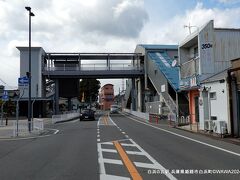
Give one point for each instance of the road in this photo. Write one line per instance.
(121, 147)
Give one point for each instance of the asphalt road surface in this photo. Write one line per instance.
(115, 147)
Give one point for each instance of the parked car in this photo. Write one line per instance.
(114, 109)
(87, 114)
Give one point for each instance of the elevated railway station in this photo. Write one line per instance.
(56, 75)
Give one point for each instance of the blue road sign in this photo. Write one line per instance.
(23, 81)
(5, 96)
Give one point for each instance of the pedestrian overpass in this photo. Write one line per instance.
(57, 75)
(92, 65)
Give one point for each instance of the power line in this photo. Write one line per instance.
(6, 84)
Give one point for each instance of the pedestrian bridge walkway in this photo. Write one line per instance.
(95, 65)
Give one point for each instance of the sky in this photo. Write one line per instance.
(103, 26)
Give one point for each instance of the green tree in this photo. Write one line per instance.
(90, 89)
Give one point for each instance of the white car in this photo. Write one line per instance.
(114, 109)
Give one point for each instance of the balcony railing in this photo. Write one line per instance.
(91, 67)
(190, 68)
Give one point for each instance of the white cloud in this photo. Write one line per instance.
(229, 1)
(94, 26)
(73, 25)
(173, 31)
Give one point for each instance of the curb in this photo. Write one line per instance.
(203, 134)
(44, 133)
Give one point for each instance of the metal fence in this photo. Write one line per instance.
(184, 120)
(156, 107)
(65, 117)
(91, 67)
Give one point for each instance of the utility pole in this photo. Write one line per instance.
(29, 70)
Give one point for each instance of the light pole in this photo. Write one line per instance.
(29, 72)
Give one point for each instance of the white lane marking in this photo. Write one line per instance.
(185, 137)
(109, 150)
(111, 177)
(56, 131)
(32, 137)
(126, 136)
(100, 160)
(145, 165)
(98, 121)
(109, 143)
(135, 153)
(123, 132)
(131, 145)
(98, 135)
(112, 161)
(155, 163)
(111, 120)
(120, 129)
(98, 140)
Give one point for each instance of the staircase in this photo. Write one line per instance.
(161, 72)
(50, 88)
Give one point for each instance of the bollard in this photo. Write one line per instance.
(156, 119)
(6, 121)
(170, 124)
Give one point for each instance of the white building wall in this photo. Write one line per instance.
(219, 107)
(36, 69)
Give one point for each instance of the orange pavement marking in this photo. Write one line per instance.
(105, 120)
(128, 163)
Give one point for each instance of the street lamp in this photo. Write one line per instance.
(29, 72)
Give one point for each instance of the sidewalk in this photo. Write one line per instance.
(7, 132)
(193, 129)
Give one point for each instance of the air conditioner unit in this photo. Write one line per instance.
(220, 127)
(208, 125)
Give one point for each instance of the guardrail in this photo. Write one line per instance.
(38, 124)
(138, 114)
(65, 117)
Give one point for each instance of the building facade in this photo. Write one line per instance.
(106, 96)
(204, 53)
(234, 88)
(214, 109)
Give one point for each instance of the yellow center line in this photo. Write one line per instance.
(105, 120)
(127, 162)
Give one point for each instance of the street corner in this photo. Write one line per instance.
(29, 135)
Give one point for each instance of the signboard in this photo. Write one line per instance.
(163, 88)
(189, 82)
(23, 81)
(5, 96)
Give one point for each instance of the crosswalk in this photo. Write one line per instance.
(109, 156)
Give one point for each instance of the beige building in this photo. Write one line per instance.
(106, 96)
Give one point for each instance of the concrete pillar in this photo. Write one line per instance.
(56, 96)
(133, 95)
(108, 63)
(139, 95)
(143, 109)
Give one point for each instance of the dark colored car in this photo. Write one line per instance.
(87, 114)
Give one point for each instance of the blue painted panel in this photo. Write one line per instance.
(163, 62)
